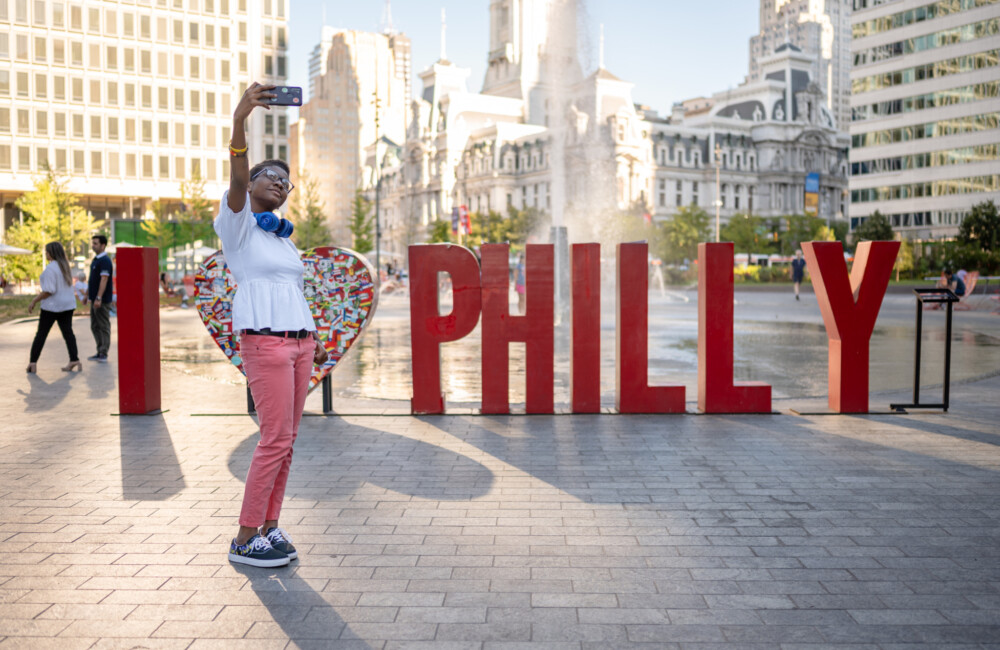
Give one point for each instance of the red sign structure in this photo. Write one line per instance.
(585, 379)
(634, 394)
(716, 391)
(534, 328)
(428, 327)
(849, 306)
(138, 330)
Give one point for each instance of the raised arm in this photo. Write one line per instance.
(239, 168)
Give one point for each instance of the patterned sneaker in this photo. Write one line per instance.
(257, 552)
(280, 541)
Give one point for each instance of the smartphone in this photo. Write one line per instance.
(287, 96)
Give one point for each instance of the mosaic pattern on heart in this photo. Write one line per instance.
(339, 289)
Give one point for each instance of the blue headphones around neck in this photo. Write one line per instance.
(270, 222)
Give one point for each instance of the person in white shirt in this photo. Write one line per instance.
(57, 305)
(80, 287)
(278, 339)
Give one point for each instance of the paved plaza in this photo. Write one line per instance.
(464, 531)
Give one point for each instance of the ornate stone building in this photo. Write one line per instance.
(579, 148)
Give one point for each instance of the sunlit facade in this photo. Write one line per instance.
(130, 98)
(925, 131)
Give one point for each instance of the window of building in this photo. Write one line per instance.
(95, 92)
(95, 163)
(76, 18)
(59, 51)
(40, 48)
(679, 191)
(111, 23)
(94, 57)
(60, 159)
(130, 169)
(129, 60)
(224, 71)
(281, 37)
(269, 151)
(267, 7)
(130, 130)
(161, 28)
(38, 15)
(268, 35)
(210, 103)
(95, 127)
(24, 159)
(178, 99)
(164, 133)
(281, 66)
(58, 14)
(128, 24)
(21, 47)
(179, 168)
(77, 89)
(195, 135)
(77, 125)
(22, 85)
(4, 120)
(23, 122)
(4, 156)
(147, 97)
(736, 192)
(268, 65)
(94, 20)
(195, 101)
(4, 45)
(164, 166)
(112, 128)
(282, 125)
(146, 61)
(147, 166)
(42, 122)
(4, 83)
(21, 11)
(193, 67)
(60, 125)
(694, 193)
(78, 162)
(113, 163)
(243, 32)
(147, 131)
(41, 86)
(210, 36)
(76, 53)
(224, 37)
(243, 62)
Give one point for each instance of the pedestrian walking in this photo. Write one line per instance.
(520, 286)
(57, 305)
(100, 294)
(80, 287)
(798, 271)
(278, 339)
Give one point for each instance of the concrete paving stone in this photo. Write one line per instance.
(608, 634)
(484, 632)
(224, 644)
(78, 611)
(433, 645)
(132, 643)
(401, 599)
(110, 629)
(410, 630)
(441, 614)
(972, 616)
(71, 644)
(674, 633)
(38, 627)
(636, 615)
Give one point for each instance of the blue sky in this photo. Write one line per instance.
(670, 49)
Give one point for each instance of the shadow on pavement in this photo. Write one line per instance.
(100, 378)
(149, 467)
(305, 618)
(387, 460)
(44, 396)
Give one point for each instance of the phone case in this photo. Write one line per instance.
(287, 96)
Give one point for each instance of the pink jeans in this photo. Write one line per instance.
(278, 372)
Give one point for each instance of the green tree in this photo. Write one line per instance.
(904, 260)
(196, 216)
(748, 233)
(440, 232)
(308, 215)
(682, 233)
(521, 224)
(362, 224)
(875, 228)
(799, 228)
(51, 213)
(160, 229)
(981, 227)
(489, 228)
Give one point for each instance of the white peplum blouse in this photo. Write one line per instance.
(268, 273)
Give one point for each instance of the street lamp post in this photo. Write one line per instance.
(718, 195)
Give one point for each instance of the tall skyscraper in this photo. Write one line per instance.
(317, 58)
(131, 99)
(338, 122)
(820, 28)
(925, 135)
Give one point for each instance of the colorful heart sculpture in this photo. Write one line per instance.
(339, 289)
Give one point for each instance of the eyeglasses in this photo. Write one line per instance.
(275, 178)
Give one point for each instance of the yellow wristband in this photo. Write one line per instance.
(235, 151)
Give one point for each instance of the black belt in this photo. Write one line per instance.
(300, 334)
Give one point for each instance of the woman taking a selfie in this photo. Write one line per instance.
(278, 340)
(58, 302)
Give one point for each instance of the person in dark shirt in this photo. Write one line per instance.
(798, 271)
(100, 292)
(954, 282)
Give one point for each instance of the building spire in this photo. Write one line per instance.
(444, 35)
(600, 50)
(387, 18)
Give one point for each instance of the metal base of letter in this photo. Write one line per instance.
(138, 330)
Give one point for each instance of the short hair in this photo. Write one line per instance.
(280, 164)
(102, 239)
